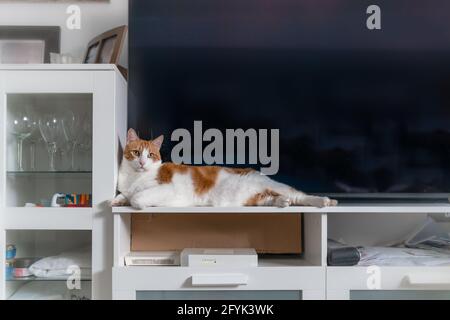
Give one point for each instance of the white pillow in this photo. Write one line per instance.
(63, 264)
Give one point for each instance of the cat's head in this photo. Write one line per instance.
(142, 155)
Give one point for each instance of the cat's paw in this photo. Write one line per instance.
(282, 202)
(326, 202)
(138, 204)
(323, 202)
(333, 203)
(118, 202)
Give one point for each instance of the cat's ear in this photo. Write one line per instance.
(158, 141)
(132, 136)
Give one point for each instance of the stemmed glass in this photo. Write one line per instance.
(22, 126)
(34, 139)
(71, 128)
(86, 138)
(50, 126)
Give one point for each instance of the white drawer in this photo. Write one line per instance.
(388, 278)
(214, 278)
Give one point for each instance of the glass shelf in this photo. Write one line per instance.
(49, 173)
(32, 278)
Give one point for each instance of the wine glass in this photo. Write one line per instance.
(34, 139)
(22, 126)
(71, 124)
(50, 126)
(86, 138)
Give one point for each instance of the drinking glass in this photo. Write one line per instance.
(86, 139)
(22, 126)
(50, 126)
(34, 139)
(72, 131)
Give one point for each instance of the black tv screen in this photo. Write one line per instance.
(359, 111)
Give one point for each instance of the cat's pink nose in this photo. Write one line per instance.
(142, 163)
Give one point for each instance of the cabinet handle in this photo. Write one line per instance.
(422, 279)
(220, 280)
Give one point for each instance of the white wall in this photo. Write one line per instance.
(96, 18)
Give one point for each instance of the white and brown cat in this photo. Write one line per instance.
(144, 181)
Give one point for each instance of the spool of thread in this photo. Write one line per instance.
(9, 270)
(10, 252)
(77, 200)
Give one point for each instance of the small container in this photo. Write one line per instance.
(45, 203)
(9, 270)
(77, 200)
(10, 252)
(21, 266)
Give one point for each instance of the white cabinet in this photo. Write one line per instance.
(290, 277)
(83, 160)
(306, 277)
(387, 281)
(371, 283)
(59, 128)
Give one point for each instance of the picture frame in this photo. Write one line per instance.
(49, 35)
(106, 47)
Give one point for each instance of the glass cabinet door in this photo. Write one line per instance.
(48, 265)
(400, 295)
(49, 150)
(219, 295)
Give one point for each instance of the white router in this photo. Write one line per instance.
(153, 258)
(193, 257)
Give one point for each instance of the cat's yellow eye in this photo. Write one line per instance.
(151, 155)
(136, 153)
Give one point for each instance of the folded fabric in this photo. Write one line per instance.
(60, 274)
(64, 264)
(391, 256)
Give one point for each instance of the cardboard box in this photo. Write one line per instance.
(267, 233)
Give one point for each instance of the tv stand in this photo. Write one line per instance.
(309, 276)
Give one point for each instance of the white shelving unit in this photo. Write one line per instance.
(100, 90)
(303, 275)
(308, 274)
(343, 281)
(388, 281)
(97, 94)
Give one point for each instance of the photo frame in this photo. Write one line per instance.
(106, 48)
(34, 38)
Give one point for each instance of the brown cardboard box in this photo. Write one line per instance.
(267, 233)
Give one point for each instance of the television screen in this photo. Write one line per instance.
(346, 109)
